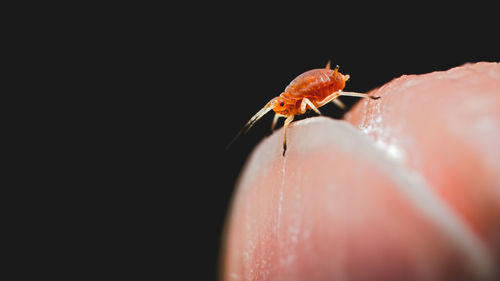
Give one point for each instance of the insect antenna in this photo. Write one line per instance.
(250, 122)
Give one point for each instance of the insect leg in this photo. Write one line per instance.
(275, 120)
(288, 120)
(303, 106)
(332, 98)
(352, 94)
(339, 103)
(328, 99)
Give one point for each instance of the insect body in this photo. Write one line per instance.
(310, 90)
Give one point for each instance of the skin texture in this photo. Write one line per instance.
(407, 187)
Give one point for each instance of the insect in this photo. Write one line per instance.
(308, 91)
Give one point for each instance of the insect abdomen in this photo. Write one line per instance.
(316, 83)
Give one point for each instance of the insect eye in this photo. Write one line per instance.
(282, 103)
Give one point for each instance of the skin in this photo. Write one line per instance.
(405, 188)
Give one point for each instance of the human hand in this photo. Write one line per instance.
(407, 188)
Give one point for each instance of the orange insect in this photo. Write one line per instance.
(310, 90)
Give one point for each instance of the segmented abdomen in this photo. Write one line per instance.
(316, 84)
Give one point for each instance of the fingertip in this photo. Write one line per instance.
(333, 204)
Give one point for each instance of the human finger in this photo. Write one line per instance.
(339, 207)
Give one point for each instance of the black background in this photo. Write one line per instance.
(183, 82)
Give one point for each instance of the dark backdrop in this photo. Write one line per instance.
(186, 86)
